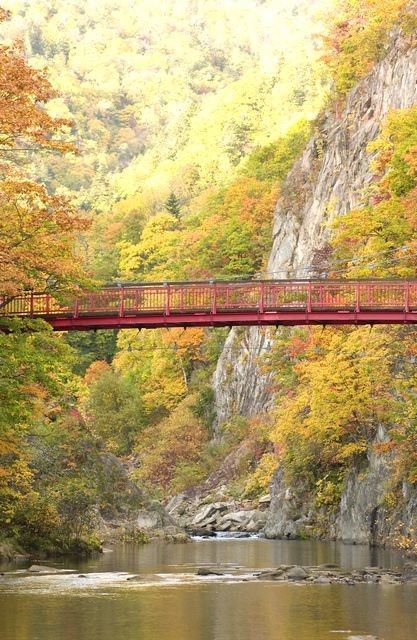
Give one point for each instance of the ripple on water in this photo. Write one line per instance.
(76, 583)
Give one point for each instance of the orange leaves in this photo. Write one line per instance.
(185, 342)
(95, 371)
(22, 119)
(298, 345)
(37, 230)
(37, 236)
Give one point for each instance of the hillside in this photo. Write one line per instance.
(156, 147)
(180, 129)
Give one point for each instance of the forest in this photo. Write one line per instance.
(140, 147)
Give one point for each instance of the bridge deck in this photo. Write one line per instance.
(199, 304)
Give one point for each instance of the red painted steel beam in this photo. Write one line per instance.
(283, 318)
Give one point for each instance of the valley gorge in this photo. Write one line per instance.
(331, 177)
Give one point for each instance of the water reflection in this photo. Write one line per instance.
(216, 611)
(155, 558)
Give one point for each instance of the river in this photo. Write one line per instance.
(170, 602)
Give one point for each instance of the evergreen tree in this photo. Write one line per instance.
(172, 205)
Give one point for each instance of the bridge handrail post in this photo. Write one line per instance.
(121, 302)
(31, 305)
(76, 310)
(309, 297)
(407, 296)
(167, 299)
(357, 297)
(47, 300)
(213, 297)
(262, 297)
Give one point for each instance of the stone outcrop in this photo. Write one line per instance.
(329, 179)
(132, 515)
(240, 387)
(202, 517)
(362, 516)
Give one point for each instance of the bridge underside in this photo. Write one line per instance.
(240, 319)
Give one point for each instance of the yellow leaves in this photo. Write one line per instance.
(173, 442)
(154, 256)
(185, 342)
(328, 490)
(358, 35)
(37, 235)
(352, 451)
(7, 447)
(379, 239)
(258, 481)
(15, 482)
(159, 361)
(343, 391)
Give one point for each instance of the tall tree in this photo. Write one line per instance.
(173, 205)
(37, 230)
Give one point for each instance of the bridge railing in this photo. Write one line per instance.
(218, 297)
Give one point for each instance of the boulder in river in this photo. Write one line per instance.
(322, 580)
(39, 568)
(205, 571)
(297, 573)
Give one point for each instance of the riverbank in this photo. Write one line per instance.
(140, 525)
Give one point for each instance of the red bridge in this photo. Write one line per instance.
(219, 304)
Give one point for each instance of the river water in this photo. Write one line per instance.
(169, 602)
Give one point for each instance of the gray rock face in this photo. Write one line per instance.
(329, 179)
(204, 514)
(361, 518)
(39, 568)
(288, 512)
(240, 387)
(361, 499)
(297, 573)
(204, 519)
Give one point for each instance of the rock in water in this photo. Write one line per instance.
(38, 568)
(297, 573)
(204, 571)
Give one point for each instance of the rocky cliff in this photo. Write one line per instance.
(329, 179)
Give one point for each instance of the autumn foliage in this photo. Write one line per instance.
(37, 229)
(359, 36)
